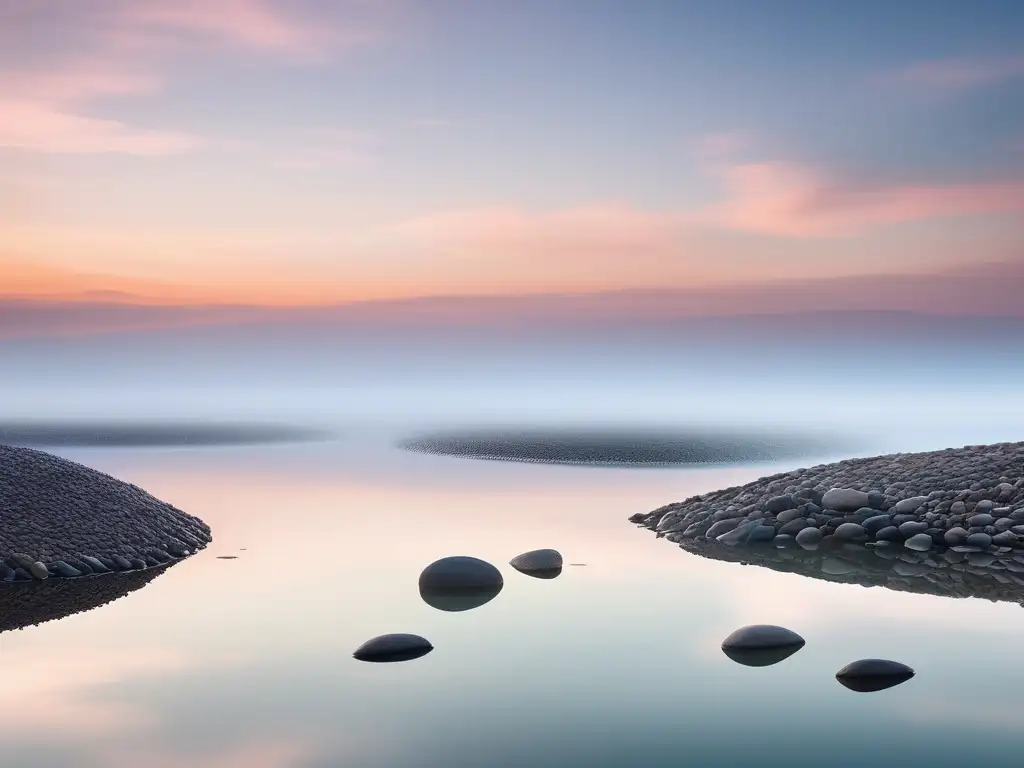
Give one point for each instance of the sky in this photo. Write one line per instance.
(264, 152)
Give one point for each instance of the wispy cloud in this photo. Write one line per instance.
(123, 48)
(254, 24)
(955, 75)
(790, 200)
(43, 128)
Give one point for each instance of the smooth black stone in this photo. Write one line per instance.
(68, 571)
(867, 675)
(82, 568)
(94, 563)
(390, 648)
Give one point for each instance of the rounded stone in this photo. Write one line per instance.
(460, 572)
(809, 538)
(912, 528)
(845, 499)
(779, 504)
(722, 526)
(978, 521)
(890, 533)
(459, 583)
(1005, 539)
(876, 523)
(909, 505)
(760, 636)
(866, 675)
(919, 542)
(793, 527)
(393, 647)
(739, 534)
(95, 564)
(39, 571)
(955, 536)
(851, 532)
(789, 515)
(982, 540)
(544, 563)
(65, 570)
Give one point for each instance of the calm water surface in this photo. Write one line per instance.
(247, 662)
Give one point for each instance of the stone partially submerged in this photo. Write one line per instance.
(61, 519)
(393, 647)
(539, 563)
(919, 505)
(867, 675)
(459, 583)
(761, 645)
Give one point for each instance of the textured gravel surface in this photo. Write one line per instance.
(932, 522)
(614, 447)
(59, 518)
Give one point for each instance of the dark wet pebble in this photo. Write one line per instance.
(393, 647)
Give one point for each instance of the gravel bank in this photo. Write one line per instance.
(625, 447)
(59, 518)
(959, 510)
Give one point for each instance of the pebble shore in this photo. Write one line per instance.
(62, 519)
(914, 515)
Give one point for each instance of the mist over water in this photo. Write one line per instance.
(881, 392)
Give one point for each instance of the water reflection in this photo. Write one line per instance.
(546, 573)
(455, 599)
(25, 604)
(140, 434)
(997, 576)
(760, 657)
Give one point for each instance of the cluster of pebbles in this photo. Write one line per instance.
(458, 583)
(953, 505)
(61, 519)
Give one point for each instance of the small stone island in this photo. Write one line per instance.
(947, 522)
(59, 519)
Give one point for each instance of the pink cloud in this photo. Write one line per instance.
(790, 200)
(76, 81)
(959, 74)
(40, 127)
(118, 47)
(256, 24)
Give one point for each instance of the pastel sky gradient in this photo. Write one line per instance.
(306, 152)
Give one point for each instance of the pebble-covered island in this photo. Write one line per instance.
(62, 519)
(947, 522)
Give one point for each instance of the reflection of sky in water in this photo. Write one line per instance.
(248, 662)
